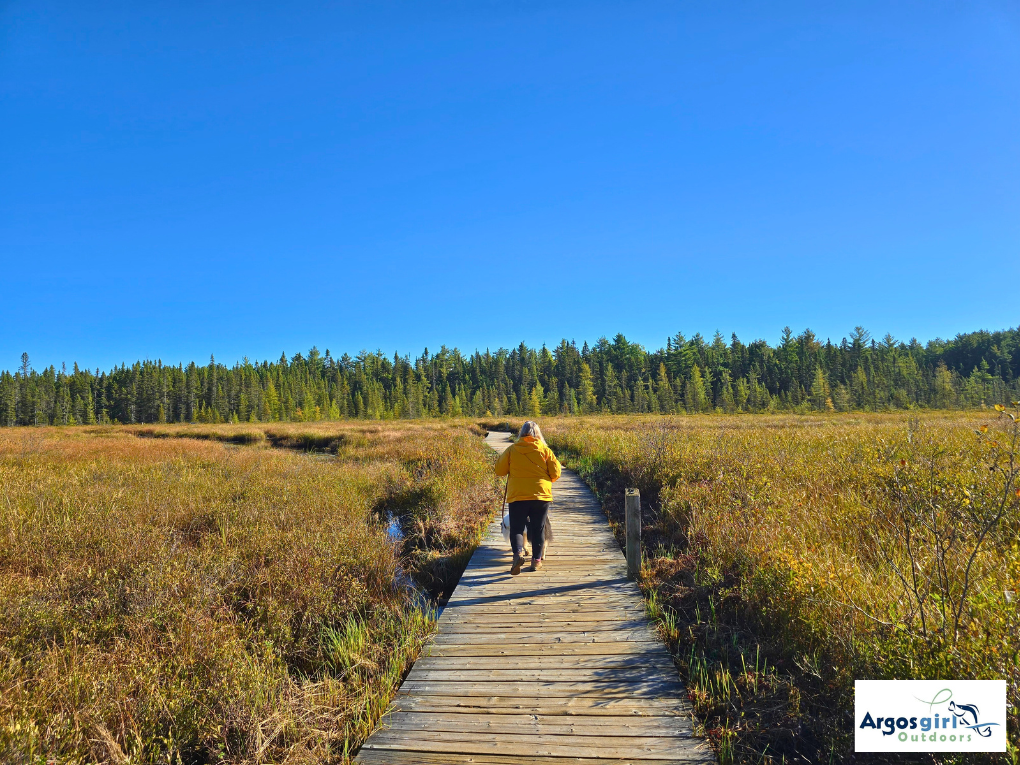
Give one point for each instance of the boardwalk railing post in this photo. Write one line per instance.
(633, 512)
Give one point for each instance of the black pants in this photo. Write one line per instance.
(528, 513)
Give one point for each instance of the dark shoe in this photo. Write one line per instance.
(516, 568)
(536, 564)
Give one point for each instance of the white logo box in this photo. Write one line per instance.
(930, 715)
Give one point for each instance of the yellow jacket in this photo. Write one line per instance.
(532, 468)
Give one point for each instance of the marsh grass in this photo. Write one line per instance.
(212, 594)
(769, 543)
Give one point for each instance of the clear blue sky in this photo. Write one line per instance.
(186, 178)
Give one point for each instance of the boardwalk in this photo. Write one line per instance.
(554, 667)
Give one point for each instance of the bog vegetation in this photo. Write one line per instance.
(231, 593)
(185, 594)
(801, 373)
(786, 556)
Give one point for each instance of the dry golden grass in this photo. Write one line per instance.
(168, 597)
(770, 546)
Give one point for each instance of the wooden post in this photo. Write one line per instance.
(633, 512)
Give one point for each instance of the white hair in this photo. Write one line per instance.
(530, 428)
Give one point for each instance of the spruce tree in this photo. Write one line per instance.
(944, 390)
(586, 389)
(664, 391)
(819, 390)
(695, 395)
(270, 404)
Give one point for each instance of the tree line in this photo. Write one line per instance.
(689, 375)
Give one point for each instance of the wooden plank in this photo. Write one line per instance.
(498, 593)
(617, 675)
(628, 690)
(548, 586)
(548, 581)
(550, 574)
(535, 597)
(579, 706)
(554, 561)
(553, 566)
(579, 596)
(540, 612)
(580, 561)
(577, 616)
(606, 747)
(392, 757)
(605, 725)
(632, 648)
(541, 584)
(564, 624)
(546, 661)
(501, 601)
(533, 636)
(546, 608)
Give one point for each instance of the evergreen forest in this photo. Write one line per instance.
(800, 373)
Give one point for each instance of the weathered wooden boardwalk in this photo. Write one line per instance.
(554, 667)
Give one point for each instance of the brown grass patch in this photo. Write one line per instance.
(177, 598)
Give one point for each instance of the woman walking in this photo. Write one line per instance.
(532, 468)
